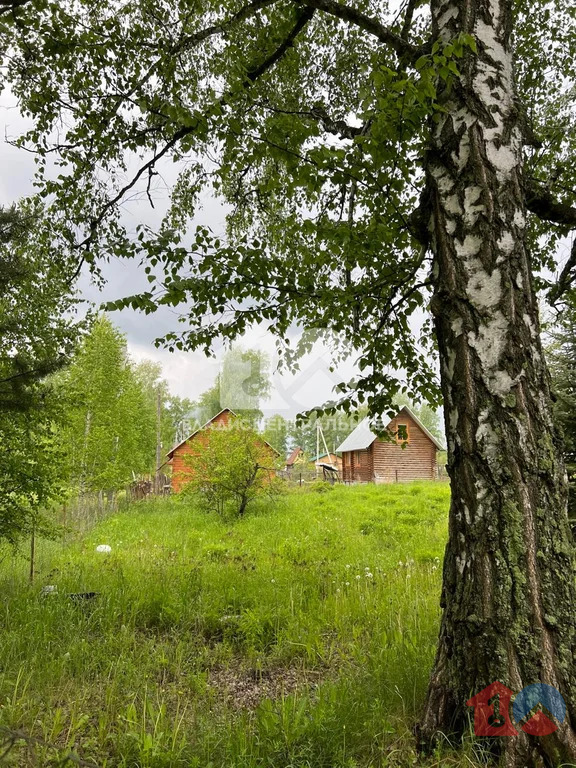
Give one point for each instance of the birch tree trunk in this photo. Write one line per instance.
(509, 608)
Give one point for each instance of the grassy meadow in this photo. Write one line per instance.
(298, 636)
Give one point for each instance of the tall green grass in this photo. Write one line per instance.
(297, 636)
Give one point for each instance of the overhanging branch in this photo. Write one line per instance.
(408, 18)
(7, 6)
(319, 114)
(541, 202)
(368, 24)
(251, 77)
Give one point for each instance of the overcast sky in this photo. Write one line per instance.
(187, 373)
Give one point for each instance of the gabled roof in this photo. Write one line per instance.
(171, 453)
(362, 437)
(293, 456)
(359, 439)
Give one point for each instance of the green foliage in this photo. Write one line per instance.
(561, 355)
(242, 384)
(110, 429)
(38, 330)
(265, 643)
(311, 125)
(38, 334)
(32, 469)
(276, 432)
(231, 469)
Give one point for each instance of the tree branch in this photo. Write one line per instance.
(368, 24)
(318, 113)
(408, 17)
(251, 77)
(268, 63)
(566, 279)
(41, 370)
(541, 202)
(7, 6)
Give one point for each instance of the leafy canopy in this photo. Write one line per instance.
(311, 119)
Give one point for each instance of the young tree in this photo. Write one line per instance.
(177, 418)
(232, 469)
(38, 334)
(32, 468)
(376, 162)
(110, 429)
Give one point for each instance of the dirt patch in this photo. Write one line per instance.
(246, 688)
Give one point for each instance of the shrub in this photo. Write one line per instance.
(233, 468)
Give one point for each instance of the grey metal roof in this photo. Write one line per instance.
(362, 437)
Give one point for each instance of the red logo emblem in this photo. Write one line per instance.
(492, 711)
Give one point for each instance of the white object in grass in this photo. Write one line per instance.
(50, 589)
(103, 548)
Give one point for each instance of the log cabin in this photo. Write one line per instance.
(179, 458)
(410, 454)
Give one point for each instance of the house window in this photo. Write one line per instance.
(402, 433)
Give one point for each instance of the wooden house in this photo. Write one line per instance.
(411, 455)
(179, 457)
(296, 459)
(331, 459)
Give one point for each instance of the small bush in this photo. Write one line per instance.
(233, 468)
